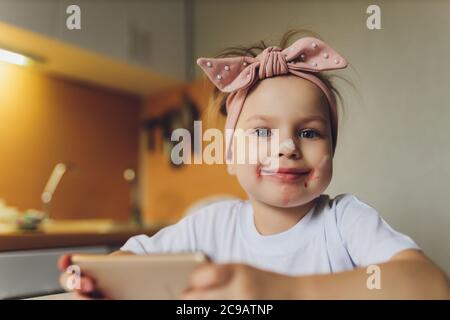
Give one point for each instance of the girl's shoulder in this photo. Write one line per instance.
(343, 201)
(346, 208)
(346, 199)
(365, 235)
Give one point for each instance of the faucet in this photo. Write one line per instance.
(50, 187)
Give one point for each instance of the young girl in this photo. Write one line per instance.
(289, 240)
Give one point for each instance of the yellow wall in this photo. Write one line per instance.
(167, 191)
(43, 121)
(46, 120)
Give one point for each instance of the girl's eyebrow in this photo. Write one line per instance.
(260, 117)
(302, 120)
(313, 118)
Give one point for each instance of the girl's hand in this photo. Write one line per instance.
(86, 288)
(236, 281)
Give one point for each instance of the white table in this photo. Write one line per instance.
(59, 296)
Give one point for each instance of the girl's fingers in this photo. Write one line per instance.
(209, 275)
(63, 281)
(64, 262)
(88, 289)
(83, 285)
(86, 285)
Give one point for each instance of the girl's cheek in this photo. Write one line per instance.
(319, 173)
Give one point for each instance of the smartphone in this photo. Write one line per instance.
(140, 277)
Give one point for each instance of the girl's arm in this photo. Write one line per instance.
(408, 275)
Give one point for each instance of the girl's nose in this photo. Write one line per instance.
(289, 150)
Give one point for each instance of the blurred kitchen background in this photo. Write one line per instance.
(86, 117)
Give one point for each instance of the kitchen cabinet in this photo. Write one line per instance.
(150, 34)
(103, 27)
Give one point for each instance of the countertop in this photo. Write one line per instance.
(30, 240)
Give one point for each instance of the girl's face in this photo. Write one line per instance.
(299, 110)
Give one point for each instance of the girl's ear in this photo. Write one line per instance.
(231, 169)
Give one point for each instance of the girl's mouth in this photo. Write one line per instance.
(285, 174)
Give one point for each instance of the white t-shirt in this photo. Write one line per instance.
(335, 235)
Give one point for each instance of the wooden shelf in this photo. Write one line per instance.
(40, 240)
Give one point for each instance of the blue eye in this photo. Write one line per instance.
(262, 132)
(308, 134)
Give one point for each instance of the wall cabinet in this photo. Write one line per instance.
(150, 34)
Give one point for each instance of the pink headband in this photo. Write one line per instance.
(236, 75)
